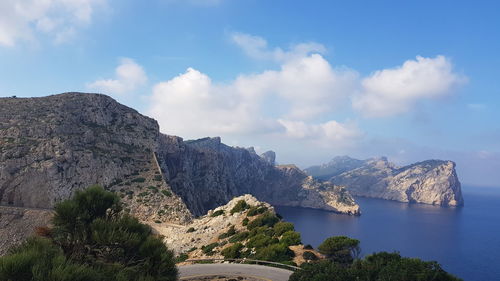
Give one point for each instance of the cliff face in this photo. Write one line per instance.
(207, 173)
(430, 182)
(53, 146)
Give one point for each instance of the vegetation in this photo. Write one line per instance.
(91, 239)
(233, 251)
(217, 213)
(166, 193)
(379, 266)
(229, 233)
(253, 211)
(267, 219)
(309, 256)
(340, 249)
(191, 229)
(239, 207)
(208, 249)
(138, 180)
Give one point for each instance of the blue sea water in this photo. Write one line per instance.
(465, 241)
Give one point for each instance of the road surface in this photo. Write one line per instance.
(257, 272)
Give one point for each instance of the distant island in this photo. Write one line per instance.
(430, 182)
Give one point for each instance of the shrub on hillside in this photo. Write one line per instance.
(91, 240)
(239, 207)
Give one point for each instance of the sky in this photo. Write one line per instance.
(310, 80)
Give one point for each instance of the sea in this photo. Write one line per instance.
(464, 240)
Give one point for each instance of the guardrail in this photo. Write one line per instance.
(248, 260)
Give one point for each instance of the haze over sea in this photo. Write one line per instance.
(465, 241)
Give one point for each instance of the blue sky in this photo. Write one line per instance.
(307, 79)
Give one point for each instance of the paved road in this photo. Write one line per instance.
(258, 272)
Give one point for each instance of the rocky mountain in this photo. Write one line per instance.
(430, 182)
(52, 146)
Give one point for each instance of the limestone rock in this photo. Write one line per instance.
(430, 182)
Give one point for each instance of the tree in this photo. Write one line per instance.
(341, 249)
(379, 266)
(92, 238)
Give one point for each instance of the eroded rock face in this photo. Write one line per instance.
(430, 182)
(207, 173)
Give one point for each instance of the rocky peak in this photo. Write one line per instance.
(269, 156)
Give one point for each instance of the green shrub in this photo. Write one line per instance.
(379, 266)
(282, 227)
(191, 229)
(157, 221)
(217, 213)
(290, 238)
(167, 193)
(274, 252)
(153, 188)
(239, 237)
(309, 256)
(138, 180)
(230, 232)
(158, 178)
(261, 240)
(182, 257)
(266, 219)
(192, 249)
(91, 240)
(208, 249)
(245, 221)
(341, 249)
(239, 207)
(253, 211)
(233, 252)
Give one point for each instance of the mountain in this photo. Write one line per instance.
(430, 182)
(52, 146)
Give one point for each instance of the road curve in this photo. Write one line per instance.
(258, 272)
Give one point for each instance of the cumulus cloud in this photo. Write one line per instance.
(257, 47)
(393, 91)
(129, 76)
(191, 105)
(20, 20)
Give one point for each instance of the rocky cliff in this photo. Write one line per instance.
(430, 182)
(52, 146)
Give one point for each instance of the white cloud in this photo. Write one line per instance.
(256, 47)
(191, 105)
(129, 76)
(20, 20)
(393, 91)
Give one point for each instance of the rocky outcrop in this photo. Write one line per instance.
(207, 173)
(430, 182)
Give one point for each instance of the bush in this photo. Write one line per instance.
(266, 219)
(138, 180)
(233, 252)
(91, 240)
(208, 249)
(158, 178)
(341, 249)
(153, 188)
(282, 227)
(379, 266)
(191, 229)
(275, 252)
(217, 213)
(261, 240)
(182, 257)
(309, 256)
(167, 193)
(230, 232)
(253, 211)
(239, 207)
(239, 237)
(290, 238)
(245, 221)
(308, 247)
